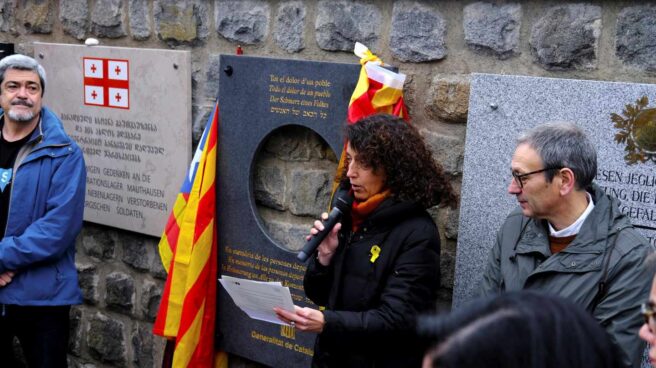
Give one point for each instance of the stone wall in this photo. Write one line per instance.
(437, 44)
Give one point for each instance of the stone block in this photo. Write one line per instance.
(37, 16)
(74, 17)
(418, 33)
(97, 242)
(8, 16)
(137, 251)
(75, 332)
(339, 24)
(296, 144)
(142, 346)
(447, 150)
(451, 218)
(288, 235)
(181, 21)
(269, 183)
(447, 269)
(493, 28)
(151, 293)
(212, 77)
(107, 19)
(140, 24)
(244, 22)
(88, 280)
(290, 26)
(106, 340)
(157, 269)
(635, 34)
(199, 116)
(309, 191)
(448, 99)
(567, 37)
(119, 292)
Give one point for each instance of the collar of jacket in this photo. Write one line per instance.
(390, 213)
(604, 221)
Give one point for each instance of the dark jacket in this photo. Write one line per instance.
(45, 217)
(521, 259)
(371, 306)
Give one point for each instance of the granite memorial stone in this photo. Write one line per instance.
(256, 97)
(130, 112)
(617, 117)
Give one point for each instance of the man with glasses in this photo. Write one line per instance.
(569, 238)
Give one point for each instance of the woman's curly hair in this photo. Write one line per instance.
(386, 142)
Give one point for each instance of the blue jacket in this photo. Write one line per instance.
(45, 217)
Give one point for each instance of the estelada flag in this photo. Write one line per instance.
(379, 90)
(188, 249)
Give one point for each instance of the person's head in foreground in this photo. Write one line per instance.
(648, 329)
(386, 154)
(519, 329)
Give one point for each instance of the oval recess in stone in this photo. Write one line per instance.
(291, 178)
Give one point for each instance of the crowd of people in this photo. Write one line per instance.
(564, 285)
(567, 283)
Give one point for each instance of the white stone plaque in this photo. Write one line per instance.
(130, 112)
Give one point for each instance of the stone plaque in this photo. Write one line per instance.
(130, 112)
(501, 107)
(257, 96)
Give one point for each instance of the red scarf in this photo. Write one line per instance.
(361, 210)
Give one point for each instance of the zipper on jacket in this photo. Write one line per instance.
(3, 310)
(17, 165)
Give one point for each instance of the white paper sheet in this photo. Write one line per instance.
(257, 298)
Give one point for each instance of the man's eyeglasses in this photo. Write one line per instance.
(648, 312)
(519, 177)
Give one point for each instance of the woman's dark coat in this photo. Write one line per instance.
(371, 306)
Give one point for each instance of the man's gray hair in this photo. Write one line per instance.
(563, 144)
(22, 62)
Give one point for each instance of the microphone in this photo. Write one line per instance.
(343, 205)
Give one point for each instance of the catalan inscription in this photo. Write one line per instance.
(299, 96)
(255, 266)
(253, 105)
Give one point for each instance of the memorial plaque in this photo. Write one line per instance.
(256, 97)
(617, 117)
(130, 112)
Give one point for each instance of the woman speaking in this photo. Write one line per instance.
(378, 268)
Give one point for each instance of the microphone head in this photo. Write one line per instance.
(344, 201)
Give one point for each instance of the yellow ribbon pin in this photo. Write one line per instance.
(375, 252)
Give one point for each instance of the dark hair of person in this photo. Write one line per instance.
(563, 144)
(519, 329)
(23, 62)
(387, 142)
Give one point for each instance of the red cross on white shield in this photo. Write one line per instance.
(117, 70)
(93, 68)
(94, 95)
(118, 97)
(107, 82)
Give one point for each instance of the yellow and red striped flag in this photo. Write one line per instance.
(379, 90)
(188, 249)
